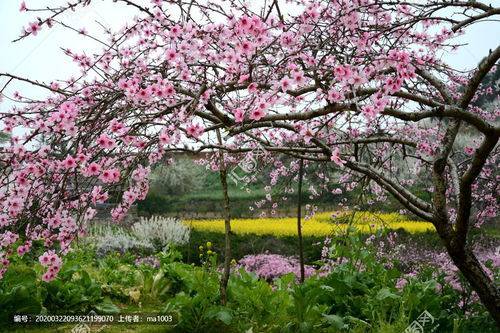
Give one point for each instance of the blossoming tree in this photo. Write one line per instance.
(361, 84)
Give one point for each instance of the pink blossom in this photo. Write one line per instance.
(33, 28)
(89, 214)
(164, 137)
(195, 130)
(69, 162)
(252, 87)
(243, 78)
(286, 84)
(48, 276)
(336, 157)
(93, 169)
(171, 54)
(469, 150)
(169, 90)
(272, 266)
(49, 258)
(141, 173)
(124, 84)
(298, 77)
(15, 205)
(238, 115)
(21, 250)
(129, 196)
(369, 111)
(257, 114)
(246, 47)
(342, 72)
(8, 238)
(401, 283)
(98, 195)
(110, 176)
(175, 31)
(144, 94)
(106, 142)
(4, 220)
(334, 95)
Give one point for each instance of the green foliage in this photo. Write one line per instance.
(250, 244)
(118, 276)
(197, 300)
(20, 293)
(358, 294)
(256, 302)
(4, 137)
(73, 292)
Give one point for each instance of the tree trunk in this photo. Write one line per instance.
(485, 288)
(299, 225)
(227, 227)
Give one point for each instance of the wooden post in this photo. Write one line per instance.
(299, 217)
(227, 226)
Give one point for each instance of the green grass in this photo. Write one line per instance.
(492, 231)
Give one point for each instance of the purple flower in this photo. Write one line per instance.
(272, 266)
(148, 261)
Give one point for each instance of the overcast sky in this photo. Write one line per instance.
(41, 58)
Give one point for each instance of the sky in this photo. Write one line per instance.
(41, 57)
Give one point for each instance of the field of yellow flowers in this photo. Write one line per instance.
(321, 224)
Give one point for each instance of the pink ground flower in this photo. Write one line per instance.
(272, 266)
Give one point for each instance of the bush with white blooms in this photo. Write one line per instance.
(161, 231)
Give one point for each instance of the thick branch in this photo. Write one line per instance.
(482, 69)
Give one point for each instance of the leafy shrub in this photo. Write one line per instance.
(161, 231)
(364, 290)
(197, 302)
(20, 293)
(75, 292)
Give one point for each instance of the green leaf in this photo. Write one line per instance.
(334, 320)
(224, 316)
(385, 293)
(107, 307)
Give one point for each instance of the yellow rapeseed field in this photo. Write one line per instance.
(321, 224)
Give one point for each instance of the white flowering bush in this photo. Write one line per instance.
(109, 239)
(161, 231)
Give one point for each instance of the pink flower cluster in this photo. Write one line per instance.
(272, 266)
(53, 263)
